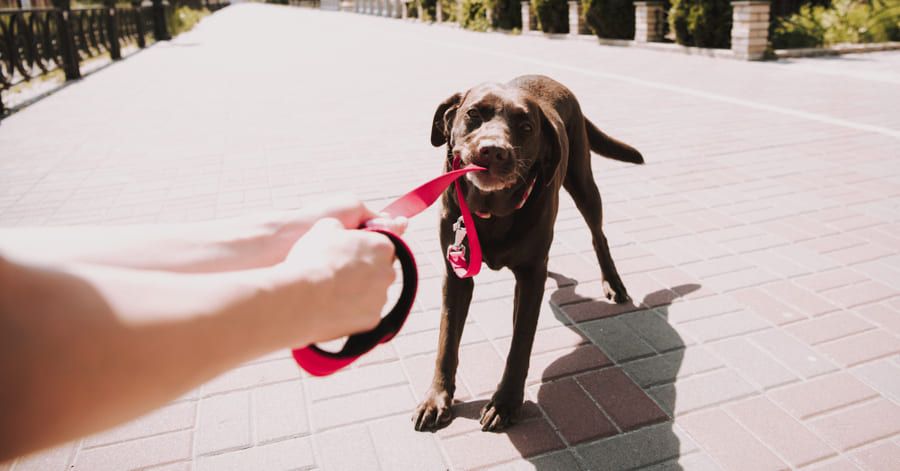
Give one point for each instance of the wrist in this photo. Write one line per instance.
(290, 299)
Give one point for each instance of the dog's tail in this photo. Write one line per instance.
(609, 147)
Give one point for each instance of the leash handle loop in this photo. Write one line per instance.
(319, 362)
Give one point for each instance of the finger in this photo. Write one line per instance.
(396, 225)
(327, 223)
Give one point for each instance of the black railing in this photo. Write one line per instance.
(36, 41)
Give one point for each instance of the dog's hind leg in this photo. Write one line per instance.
(580, 184)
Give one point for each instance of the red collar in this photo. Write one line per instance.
(525, 196)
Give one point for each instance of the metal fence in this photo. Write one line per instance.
(35, 41)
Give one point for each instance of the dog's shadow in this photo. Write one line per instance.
(616, 414)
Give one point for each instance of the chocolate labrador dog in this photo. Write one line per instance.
(533, 139)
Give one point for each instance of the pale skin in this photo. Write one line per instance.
(100, 325)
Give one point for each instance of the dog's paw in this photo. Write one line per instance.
(434, 412)
(497, 414)
(616, 292)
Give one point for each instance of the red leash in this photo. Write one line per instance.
(319, 362)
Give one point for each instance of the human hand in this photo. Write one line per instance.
(352, 214)
(337, 279)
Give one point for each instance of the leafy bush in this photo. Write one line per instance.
(474, 15)
(703, 23)
(506, 14)
(612, 19)
(448, 10)
(552, 15)
(184, 18)
(846, 21)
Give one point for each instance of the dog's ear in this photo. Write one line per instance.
(555, 143)
(443, 120)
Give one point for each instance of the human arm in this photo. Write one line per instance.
(85, 347)
(252, 241)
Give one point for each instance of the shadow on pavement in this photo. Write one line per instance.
(605, 411)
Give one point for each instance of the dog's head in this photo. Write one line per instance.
(505, 130)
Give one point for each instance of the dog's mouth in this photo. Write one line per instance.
(489, 182)
(498, 176)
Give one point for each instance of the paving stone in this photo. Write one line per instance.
(400, 447)
(174, 417)
(729, 443)
(523, 440)
(553, 365)
(559, 461)
(360, 407)
(781, 432)
(882, 456)
(858, 425)
(767, 306)
(753, 363)
(295, 453)
(224, 423)
(480, 367)
(653, 329)
(623, 401)
(591, 310)
(354, 380)
(882, 316)
(55, 458)
(701, 308)
(709, 389)
(806, 302)
(141, 453)
(616, 339)
(823, 394)
(799, 358)
(574, 414)
(723, 326)
(859, 294)
(829, 327)
(655, 370)
(882, 375)
(279, 411)
(254, 374)
(332, 449)
(860, 348)
(635, 449)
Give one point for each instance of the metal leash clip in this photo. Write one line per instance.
(458, 249)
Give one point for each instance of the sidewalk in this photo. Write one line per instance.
(761, 241)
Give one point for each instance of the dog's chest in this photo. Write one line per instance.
(508, 242)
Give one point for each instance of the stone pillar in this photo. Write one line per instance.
(526, 16)
(648, 18)
(750, 29)
(576, 22)
(438, 13)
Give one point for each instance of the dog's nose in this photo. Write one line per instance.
(488, 155)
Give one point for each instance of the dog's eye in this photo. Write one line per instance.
(473, 114)
(526, 127)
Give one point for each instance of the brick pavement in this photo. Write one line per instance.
(760, 243)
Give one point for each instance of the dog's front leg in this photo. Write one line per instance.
(434, 411)
(507, 401)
